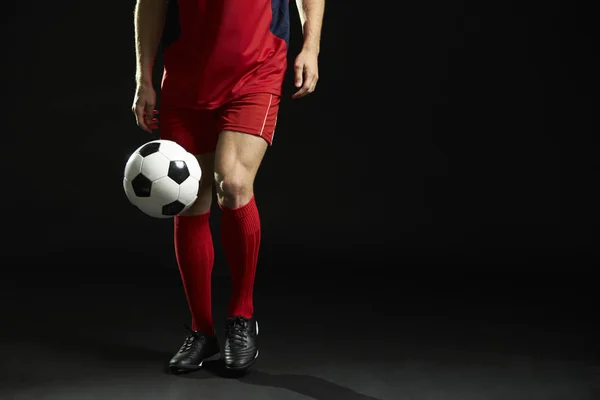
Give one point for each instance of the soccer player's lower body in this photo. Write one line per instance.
(230, 143)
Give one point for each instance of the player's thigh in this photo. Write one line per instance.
(247, 126)
(238, 157)
(194, 130)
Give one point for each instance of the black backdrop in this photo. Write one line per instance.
(449, 132)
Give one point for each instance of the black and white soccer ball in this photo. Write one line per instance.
(162, 179)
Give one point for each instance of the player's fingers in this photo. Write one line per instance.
(298, 74)
(154, 120)
(306, 87)
(149, 112)
(300, 93)
(313, 86)
(303, 90)
(148, 119)
(311, 79)
(141, 118)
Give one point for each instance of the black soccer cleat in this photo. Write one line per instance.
(197, 348)
(241, 343)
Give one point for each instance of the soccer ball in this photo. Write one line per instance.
(162, 179)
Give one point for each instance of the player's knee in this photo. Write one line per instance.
(232, 186)
(233, 190)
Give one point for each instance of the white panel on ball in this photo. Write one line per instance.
(150, 207)
(155, 166)
(133, 166)
(188, 191)
(193, 166)
(165, 191)
(171, 150)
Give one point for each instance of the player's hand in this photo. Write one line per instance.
(143, 107)
(306, 72)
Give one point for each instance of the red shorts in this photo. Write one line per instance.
(198, 130)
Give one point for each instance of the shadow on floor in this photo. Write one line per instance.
(310, 386)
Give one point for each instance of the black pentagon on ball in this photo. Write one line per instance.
(172, 209)
(178, 171)
(149, 148)
(142, 186)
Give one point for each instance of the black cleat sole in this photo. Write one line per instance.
(178, 370)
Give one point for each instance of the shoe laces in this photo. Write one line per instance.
(237, 332)
(191, 338)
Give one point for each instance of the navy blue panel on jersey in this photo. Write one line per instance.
(280, 25)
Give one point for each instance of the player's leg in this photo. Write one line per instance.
(205, 192)
(238, 157)
(193, 240)
(249, 124)
(194, 250)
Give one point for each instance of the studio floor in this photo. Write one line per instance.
(107, 334)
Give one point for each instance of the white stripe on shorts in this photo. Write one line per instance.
(266, 115)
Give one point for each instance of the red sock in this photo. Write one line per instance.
(240, 233)
(195, 255)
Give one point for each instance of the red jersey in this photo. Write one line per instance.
(217, 50)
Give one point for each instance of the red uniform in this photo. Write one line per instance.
(224, 66)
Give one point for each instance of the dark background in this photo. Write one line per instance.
(430, 215)
(442, 132)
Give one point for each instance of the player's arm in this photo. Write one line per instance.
(149, 22)
(311, 17)
(306, 66)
